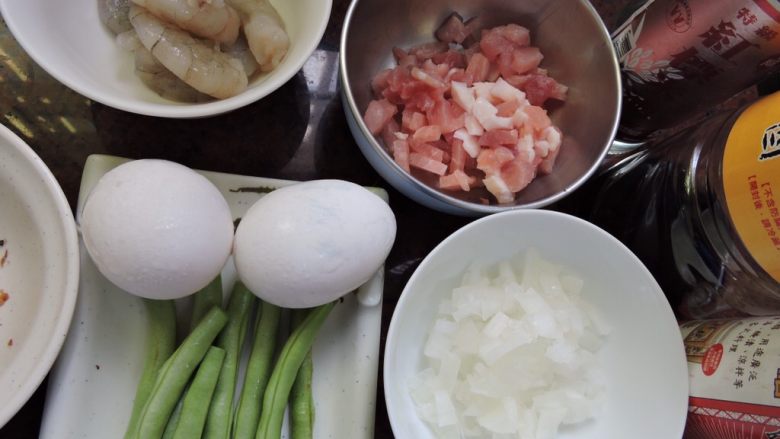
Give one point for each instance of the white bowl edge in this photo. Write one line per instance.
(69, 288)
(400, 408)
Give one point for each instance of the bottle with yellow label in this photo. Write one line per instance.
(701, 210)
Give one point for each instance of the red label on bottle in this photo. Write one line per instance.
(711, 360)
(715, 419)
(770, 7)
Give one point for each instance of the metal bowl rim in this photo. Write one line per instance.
(466, 205)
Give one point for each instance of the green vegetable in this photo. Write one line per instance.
(301, 398)
(160, 343)
(195, 405)
(205, 298)
(285, 371)
(176, 372)
(220, 416)
(258, 371)
(173, 421)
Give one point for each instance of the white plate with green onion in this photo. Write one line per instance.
(93, 383)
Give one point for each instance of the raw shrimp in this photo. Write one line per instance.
(240, 50)
(128, 40)
(211, 19)
(113, 13)
(162, 81)
(194, 62)
(264, 31)
(154, 75)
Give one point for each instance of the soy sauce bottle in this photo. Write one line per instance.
(700, 209)
(678, 58)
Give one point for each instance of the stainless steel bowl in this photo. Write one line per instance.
(577, 51)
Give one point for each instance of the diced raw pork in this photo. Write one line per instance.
(462, 95)
(539, 88)
(478, 67)
(525, 59)
(470, 115)
(389, 132)
(378, 114)
(469, 143)
(401, 154)
(427, 50)
(454, 30)
(496, 138)
(498, 187)
(518, 173)
(412, 120)
(457, 180)
(426, 163)
(448, 116)
(458, 158)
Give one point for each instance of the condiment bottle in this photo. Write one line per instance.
(679, 58)
(701, 210)
(734, 378)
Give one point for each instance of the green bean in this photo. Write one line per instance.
(258, 371)
(219, 420)
(160, 343)
(285, 371)
(204, 299)
(173, 421)
(301, 398)
(176, 372)
(195, 405)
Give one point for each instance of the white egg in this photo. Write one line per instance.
(157, 229)
(310, 243)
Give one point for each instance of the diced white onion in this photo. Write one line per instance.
(512, 354)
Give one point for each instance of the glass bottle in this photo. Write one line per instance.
(679, 58)
(699, 209)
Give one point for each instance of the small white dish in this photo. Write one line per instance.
(92, 385)
(70, 42)
(643, 357)
(39, 270)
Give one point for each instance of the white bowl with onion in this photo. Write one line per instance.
(71, 43)
(643, 386)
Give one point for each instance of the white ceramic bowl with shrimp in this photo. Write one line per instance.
(39, 271)
(69, 41)
(642, 358)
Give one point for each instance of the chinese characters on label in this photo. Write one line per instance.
(750, 343)
(725, 40)
(768, 210)
(678, 58)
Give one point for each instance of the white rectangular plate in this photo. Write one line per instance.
(93, 382)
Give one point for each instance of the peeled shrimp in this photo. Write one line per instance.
(113, 13)
(264, 31)
(154, 75)
(240, 51)
(211, 19)
(162, 81)
(194, 62)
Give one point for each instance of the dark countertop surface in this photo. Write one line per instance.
(299, 133)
